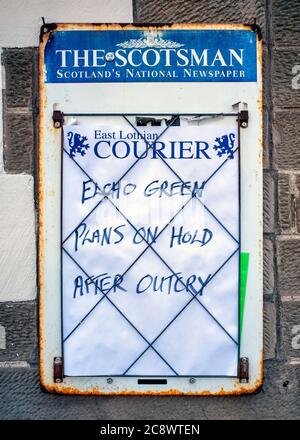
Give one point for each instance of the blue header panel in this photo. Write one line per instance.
(151, 56)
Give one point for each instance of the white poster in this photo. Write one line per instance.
(150, 250)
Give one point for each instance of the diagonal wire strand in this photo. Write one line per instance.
(178, 177)
(193, 195)
(139, 256)
(181, 310)
(149, 245)
(187, 289)
(117, 308)
(150, 344)
(174, 273)
(122, 177)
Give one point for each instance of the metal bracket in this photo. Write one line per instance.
(243, 113)
(45, 28)
(58, 118)
(58, 369)
(244, 370)
(244, 118)
(143, 121)
(255, 28)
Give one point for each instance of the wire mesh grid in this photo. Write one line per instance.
(195, 296)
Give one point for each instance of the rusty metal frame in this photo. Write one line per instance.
(46, 130)
(149, 245)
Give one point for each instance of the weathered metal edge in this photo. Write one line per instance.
(61, 388)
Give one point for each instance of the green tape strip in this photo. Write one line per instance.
(244, 265)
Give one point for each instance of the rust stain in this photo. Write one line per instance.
(260, 73)
(50, 193)
(41, 238)
(239, 389)
(97, 391)
(129, 26)
(260, 98)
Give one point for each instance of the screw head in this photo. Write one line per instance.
(192, 380)
(110, 56)
(244, 124)
(109, 380)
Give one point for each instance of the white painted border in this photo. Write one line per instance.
(160, 98)
(2, 86)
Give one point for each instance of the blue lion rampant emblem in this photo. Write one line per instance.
(225, 145)
(77, 144)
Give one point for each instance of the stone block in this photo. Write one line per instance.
(285, 22)
(284, 203)
(20, 323)
(18, 65)
(286, 134)
(268, 202)
(200, 11)
(18, 143)
(288, 257)
(285, 95)
(290, 319)
(270, 336)
(268, 256)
